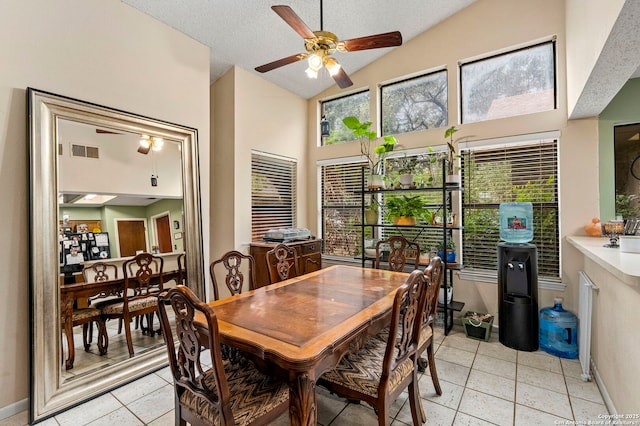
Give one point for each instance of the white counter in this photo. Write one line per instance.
(624, 266)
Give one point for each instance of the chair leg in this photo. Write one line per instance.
(432, 369)
(127, 332)
(103, 338)
(87, 335)
(417, 411)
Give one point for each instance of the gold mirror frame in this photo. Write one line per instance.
(50, 392)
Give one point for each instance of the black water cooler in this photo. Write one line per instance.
(518, 295)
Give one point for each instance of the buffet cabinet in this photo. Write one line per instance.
(309, 254)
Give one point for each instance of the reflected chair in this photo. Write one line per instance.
(182, 269)
(98, 272)
(225, 394)
(381, 370)
(86, 317)
(401, 250)
(140, 290)
(282, 263)
(238, 268)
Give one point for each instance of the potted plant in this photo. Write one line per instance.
(371, 211)
(405, 166)
(450, 255)
(403, 210)
(452, 178)
(375, 156)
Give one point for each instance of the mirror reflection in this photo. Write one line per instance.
(115, 217)
(104, 219)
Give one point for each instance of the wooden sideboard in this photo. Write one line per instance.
(309, 257)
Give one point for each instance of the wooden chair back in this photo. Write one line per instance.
(142, 276)
(100, 271)
(237, 269)
(282, 263)
(182, 269)
(399, 250)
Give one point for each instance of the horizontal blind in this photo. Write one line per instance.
(273, 194)
(341, 208)
(519, 173)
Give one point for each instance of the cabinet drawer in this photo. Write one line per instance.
(311, 248)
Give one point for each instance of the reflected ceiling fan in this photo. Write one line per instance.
(320, 45)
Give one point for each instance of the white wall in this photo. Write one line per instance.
(104, 52)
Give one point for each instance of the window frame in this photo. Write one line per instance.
(322, 110)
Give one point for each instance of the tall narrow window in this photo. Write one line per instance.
(524, 172)
(273, 193)
(419, 103)
(341, 208)
(509, 84)
(335, 110)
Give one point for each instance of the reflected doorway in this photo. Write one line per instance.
(132, 236)
(163, 234)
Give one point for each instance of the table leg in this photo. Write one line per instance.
(67, 309)
(303, 407)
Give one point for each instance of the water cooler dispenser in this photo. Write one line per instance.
(517, 278)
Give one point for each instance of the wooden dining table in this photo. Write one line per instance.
(70, 293)
(300, 328)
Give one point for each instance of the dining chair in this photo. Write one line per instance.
(399, 250)
(98, 272)
(381, 370)
(282, 263)
(141, 286)
(237, 269)
(85, 317)
(225, 394)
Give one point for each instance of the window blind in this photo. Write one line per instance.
(341, 208)
(519, 173)
(273, 194)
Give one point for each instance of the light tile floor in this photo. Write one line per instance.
(483, 383)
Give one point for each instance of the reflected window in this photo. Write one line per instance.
(627, 162)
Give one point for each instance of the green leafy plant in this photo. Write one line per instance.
(451, 154)
(625, 206)
(375, 155)
(404, 165)
(405, 205)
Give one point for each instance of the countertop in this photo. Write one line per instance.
(625, 266)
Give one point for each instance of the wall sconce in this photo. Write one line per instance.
(324, 127)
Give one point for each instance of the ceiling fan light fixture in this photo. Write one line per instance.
(156, 144)
(311, 73)
(315, 62)
(145, 142)
(332, 66)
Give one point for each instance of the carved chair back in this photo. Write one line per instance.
(401, 250)
(237, 269)
(282, 263)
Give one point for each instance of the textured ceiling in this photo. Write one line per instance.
(248, 33)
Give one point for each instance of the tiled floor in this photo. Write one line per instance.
(483, 383)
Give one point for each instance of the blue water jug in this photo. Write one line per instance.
(559, 331)
(516, 222)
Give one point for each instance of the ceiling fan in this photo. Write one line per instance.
(320, 45)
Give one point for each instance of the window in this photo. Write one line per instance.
(273, 194)
(523, 172)
(337, 109)
(419, 103)
(341, 208)
(514, 83)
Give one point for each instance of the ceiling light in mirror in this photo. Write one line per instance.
(94, 199)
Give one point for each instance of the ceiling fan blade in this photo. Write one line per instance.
(375, 41)
(294, 21)
(107, 132)
(281, 62)
(144, 150)
(342, 79)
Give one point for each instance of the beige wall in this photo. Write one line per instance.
(252, 114)
(100, 51)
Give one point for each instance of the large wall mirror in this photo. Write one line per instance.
(105, 185)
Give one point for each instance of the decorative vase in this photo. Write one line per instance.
(404, 220)
(449, 295)
(406, 181)
(449, 258)
(370, 217)
(376, 182)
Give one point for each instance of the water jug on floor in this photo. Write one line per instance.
(559, 331)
